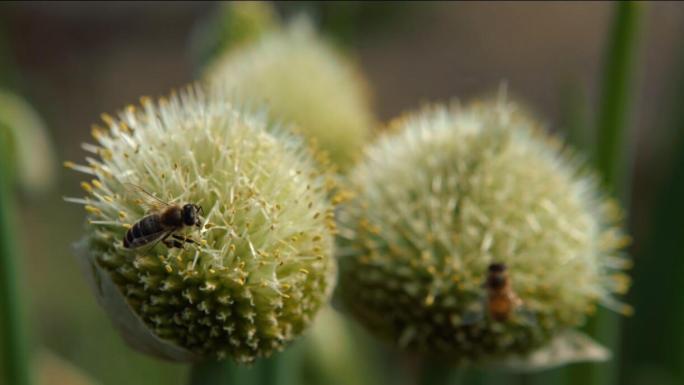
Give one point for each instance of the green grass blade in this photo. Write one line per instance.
(14, 349)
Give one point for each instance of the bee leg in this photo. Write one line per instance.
(162, 240)
(171, 243)
(181, 239)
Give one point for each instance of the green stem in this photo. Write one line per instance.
(269, 371)
(611, 157)
(439, 373)
(210, 373)
(14, 348)
(615, 98)
(661, 261)
(281, 369)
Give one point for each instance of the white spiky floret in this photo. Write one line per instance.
(262, 266)
(450, 190)
(303, 80)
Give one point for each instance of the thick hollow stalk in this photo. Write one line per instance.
(14, 349)
(613, 161)
(210, 373)
(614, 112)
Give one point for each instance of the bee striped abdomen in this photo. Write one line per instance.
(143, 231)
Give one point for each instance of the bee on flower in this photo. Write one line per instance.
(225, 248)
(474, 235)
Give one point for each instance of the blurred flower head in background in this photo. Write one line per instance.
(303, 80)
(261, 266)
(233, 24)
(447, 193)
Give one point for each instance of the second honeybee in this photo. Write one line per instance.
(501, 299)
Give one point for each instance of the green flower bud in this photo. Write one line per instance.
(259, 266)
(451, 191)
(234, 23)
(303, 80)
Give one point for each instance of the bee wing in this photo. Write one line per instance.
(526, 315)
(144, 198)
(153, 239)
(474, 312)
(472, 317)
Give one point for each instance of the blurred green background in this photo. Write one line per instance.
(73, 61)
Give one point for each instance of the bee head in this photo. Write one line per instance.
(496, 279)
(497, 268)
(191, 214)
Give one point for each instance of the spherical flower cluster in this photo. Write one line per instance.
(303, 80)
(450, 191)
(260, 264)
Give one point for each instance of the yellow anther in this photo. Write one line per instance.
(97, 132)
(429, 300)
(107, 118)
(92, 209)
(96, 183)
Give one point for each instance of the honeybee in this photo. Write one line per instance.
(501, 299)
(164, 221)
